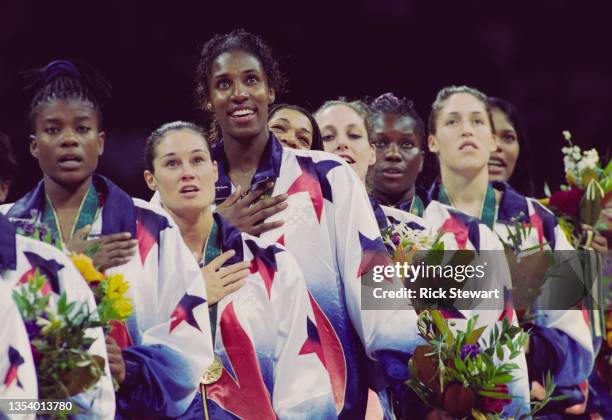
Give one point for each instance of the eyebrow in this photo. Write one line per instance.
(289, 122)
(58, 119)
(329, 127)
(350, 126)
(222, 75)
(280, 118)
(458, 113)
(174, 154)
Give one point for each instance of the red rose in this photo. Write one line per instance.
(567, 202)
(494, 405)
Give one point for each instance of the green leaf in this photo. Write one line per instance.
(440, 323)
(547, 192)
(475, 335)
(590, 209)
(502, 379)
(499, 351)
(608, 170)
(498, 395)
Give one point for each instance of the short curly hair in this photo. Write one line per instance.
(388, 103)
(237, 40)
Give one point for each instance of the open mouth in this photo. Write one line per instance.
(497, 162)
(242, 115)
(189, 189)
(348, 159)
(70, 161)
(468, 145)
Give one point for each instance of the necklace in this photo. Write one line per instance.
(488, 208)
(87, 213)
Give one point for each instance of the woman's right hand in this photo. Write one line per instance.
(221, 281)
(249, 217)
(109, 250)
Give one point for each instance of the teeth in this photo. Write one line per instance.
(242, 112)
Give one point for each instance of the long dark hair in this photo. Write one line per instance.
(317, 143)
(522, 177)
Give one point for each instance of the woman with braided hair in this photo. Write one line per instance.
(158, 355)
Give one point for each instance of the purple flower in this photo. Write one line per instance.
(28, 229)
(469, 350)
(395, 238)
(32, 328)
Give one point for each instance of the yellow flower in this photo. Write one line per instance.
(571, 180)
(116, 287)
(85, 266)
(567, 228)
(123, 307)
(48, 326)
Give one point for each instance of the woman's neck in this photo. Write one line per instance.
(391, 199)
(243, 156)
(466, 192)
(195, 229)
(65, 197)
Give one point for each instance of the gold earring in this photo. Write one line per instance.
(209, 106)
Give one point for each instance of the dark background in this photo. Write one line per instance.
(547, 57)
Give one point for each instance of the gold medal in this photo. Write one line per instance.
(213, 372)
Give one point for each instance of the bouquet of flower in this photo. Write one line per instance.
(109, 291)
(528, 265)
(57, 332)
(588, 185)
(458, 372)
(411, 245)
(405, 239)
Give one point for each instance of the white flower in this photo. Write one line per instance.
(409, 237)
(591, 156)
(567, 135)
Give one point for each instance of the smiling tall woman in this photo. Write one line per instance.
(326, 221)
